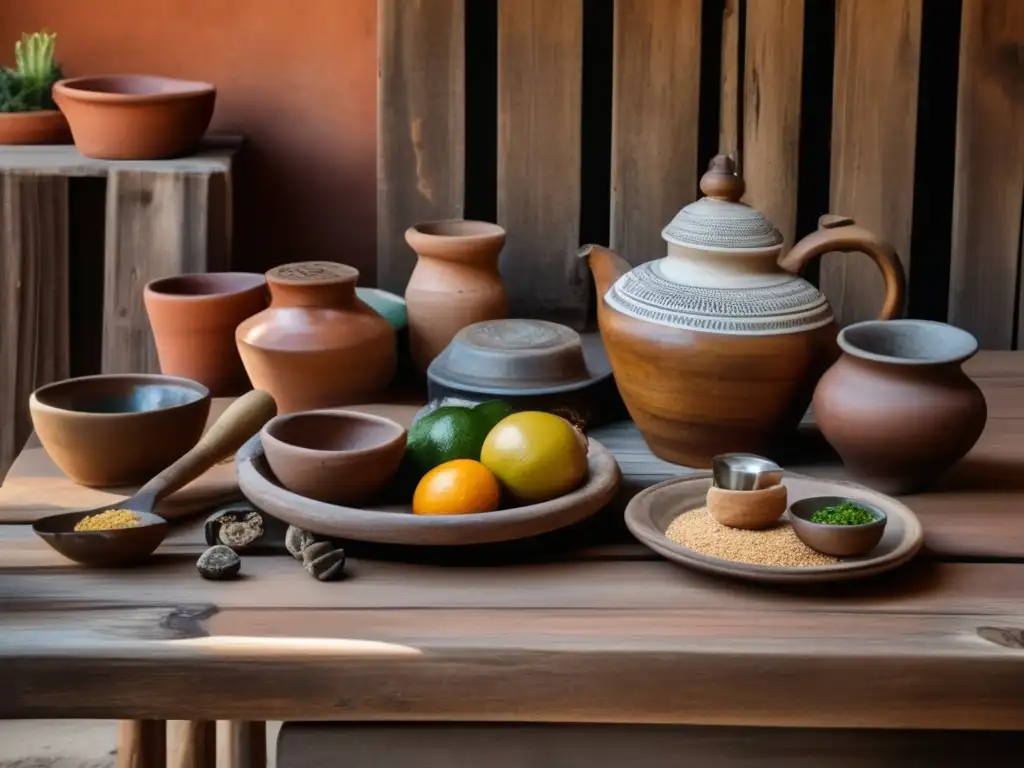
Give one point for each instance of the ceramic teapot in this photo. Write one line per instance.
(717, 346)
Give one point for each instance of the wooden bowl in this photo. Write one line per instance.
(118, 429)
(836, 540)
(334, 456)
(116, 547)
(135, 117)
(41, 126)
(395, 524)
(747, 509)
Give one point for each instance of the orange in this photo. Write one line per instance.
(459, 487)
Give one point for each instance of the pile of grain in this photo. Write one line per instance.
(776, 546)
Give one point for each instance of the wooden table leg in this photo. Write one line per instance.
(191, 744)
(241, 744)
(141, 744)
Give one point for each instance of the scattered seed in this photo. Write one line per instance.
(776, 546)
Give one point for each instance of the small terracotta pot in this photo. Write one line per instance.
(455, 283)
(897, 406)
(752, 510)
(135, 117)
(44, 126)
(194, 318)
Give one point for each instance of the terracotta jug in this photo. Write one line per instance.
(194, 318)
(717, 346)
(317, 345)
(897, 406)
(455, 283)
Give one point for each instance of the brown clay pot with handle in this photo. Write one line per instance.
(717, 346)
(317, 345)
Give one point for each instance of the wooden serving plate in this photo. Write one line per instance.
(651, 511)
(395, 524)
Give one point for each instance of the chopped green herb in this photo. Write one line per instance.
(846, 513)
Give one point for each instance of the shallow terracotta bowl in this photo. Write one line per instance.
(335, 456)
(135, 117)
(747, 509)
(41, 126)
(118, 429)
(836, 540)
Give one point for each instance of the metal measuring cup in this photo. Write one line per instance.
(744, 472)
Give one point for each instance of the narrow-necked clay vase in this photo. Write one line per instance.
(897, 406)
(194, 318)
(455, 282)
(317, 345)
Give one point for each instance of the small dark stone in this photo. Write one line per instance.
(296, 540)
(219, 562)
(237, 525)
(329, 566)
(313, 551)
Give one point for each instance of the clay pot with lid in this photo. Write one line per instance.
(455, 283)
(717, 346)
(897, 405)
(317, 345)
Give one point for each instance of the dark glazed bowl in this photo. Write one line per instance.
(836, 540)
(118, 429)
(116, 547)
(335, 456)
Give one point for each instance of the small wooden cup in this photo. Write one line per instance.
(747, 509)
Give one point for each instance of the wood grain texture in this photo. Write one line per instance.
(141, 744)
(421, 125)
(191, 744)
(241, 744)
(434, 745)
(984, 281)
(654, 121)
(731, 92)
(874, 121)
(216, 155)
(771, 112)
(34, 324)
(540, 67)
(158, 224)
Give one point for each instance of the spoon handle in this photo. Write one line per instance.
(242, 419)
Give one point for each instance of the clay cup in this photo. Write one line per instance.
(752, 510)
(194, 318)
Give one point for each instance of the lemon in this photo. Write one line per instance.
(537, 456)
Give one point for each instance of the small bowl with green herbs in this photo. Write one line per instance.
(837, 526)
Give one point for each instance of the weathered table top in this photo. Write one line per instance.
(603, 631)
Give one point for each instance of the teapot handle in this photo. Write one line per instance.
(841, 233)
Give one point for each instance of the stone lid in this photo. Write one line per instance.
(719, 221)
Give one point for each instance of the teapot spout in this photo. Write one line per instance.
(606, 266)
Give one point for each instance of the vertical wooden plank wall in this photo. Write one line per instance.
(421, 136)
(34, 327)
(773, 66)
(731, 91)
(540, 70)
(874, 123)
(655, 103)
(989, 181)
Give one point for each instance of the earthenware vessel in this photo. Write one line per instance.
(531, 365)
(317, 345)
(135, 117)
(836, 540)
(752, 510)
(41, 126)
(897, 405)
(194, 318)
(455, 282)
(717, 346)
(334, 456)
(118, 429)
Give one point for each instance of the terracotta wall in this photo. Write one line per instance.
(298, 78)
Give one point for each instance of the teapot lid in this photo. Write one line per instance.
(719, 221)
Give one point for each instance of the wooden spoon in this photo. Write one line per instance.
(123, 546)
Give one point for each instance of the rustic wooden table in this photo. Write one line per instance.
(516, 654)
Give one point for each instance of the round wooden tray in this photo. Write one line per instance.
(397, 525)
(651, 511)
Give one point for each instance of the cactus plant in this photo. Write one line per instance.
(27, 87)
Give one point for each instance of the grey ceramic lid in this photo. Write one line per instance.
(718, 221)
(520, 357)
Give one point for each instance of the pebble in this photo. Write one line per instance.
(296, 540)
(219, 562)
(324, 562)
(776, 546)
